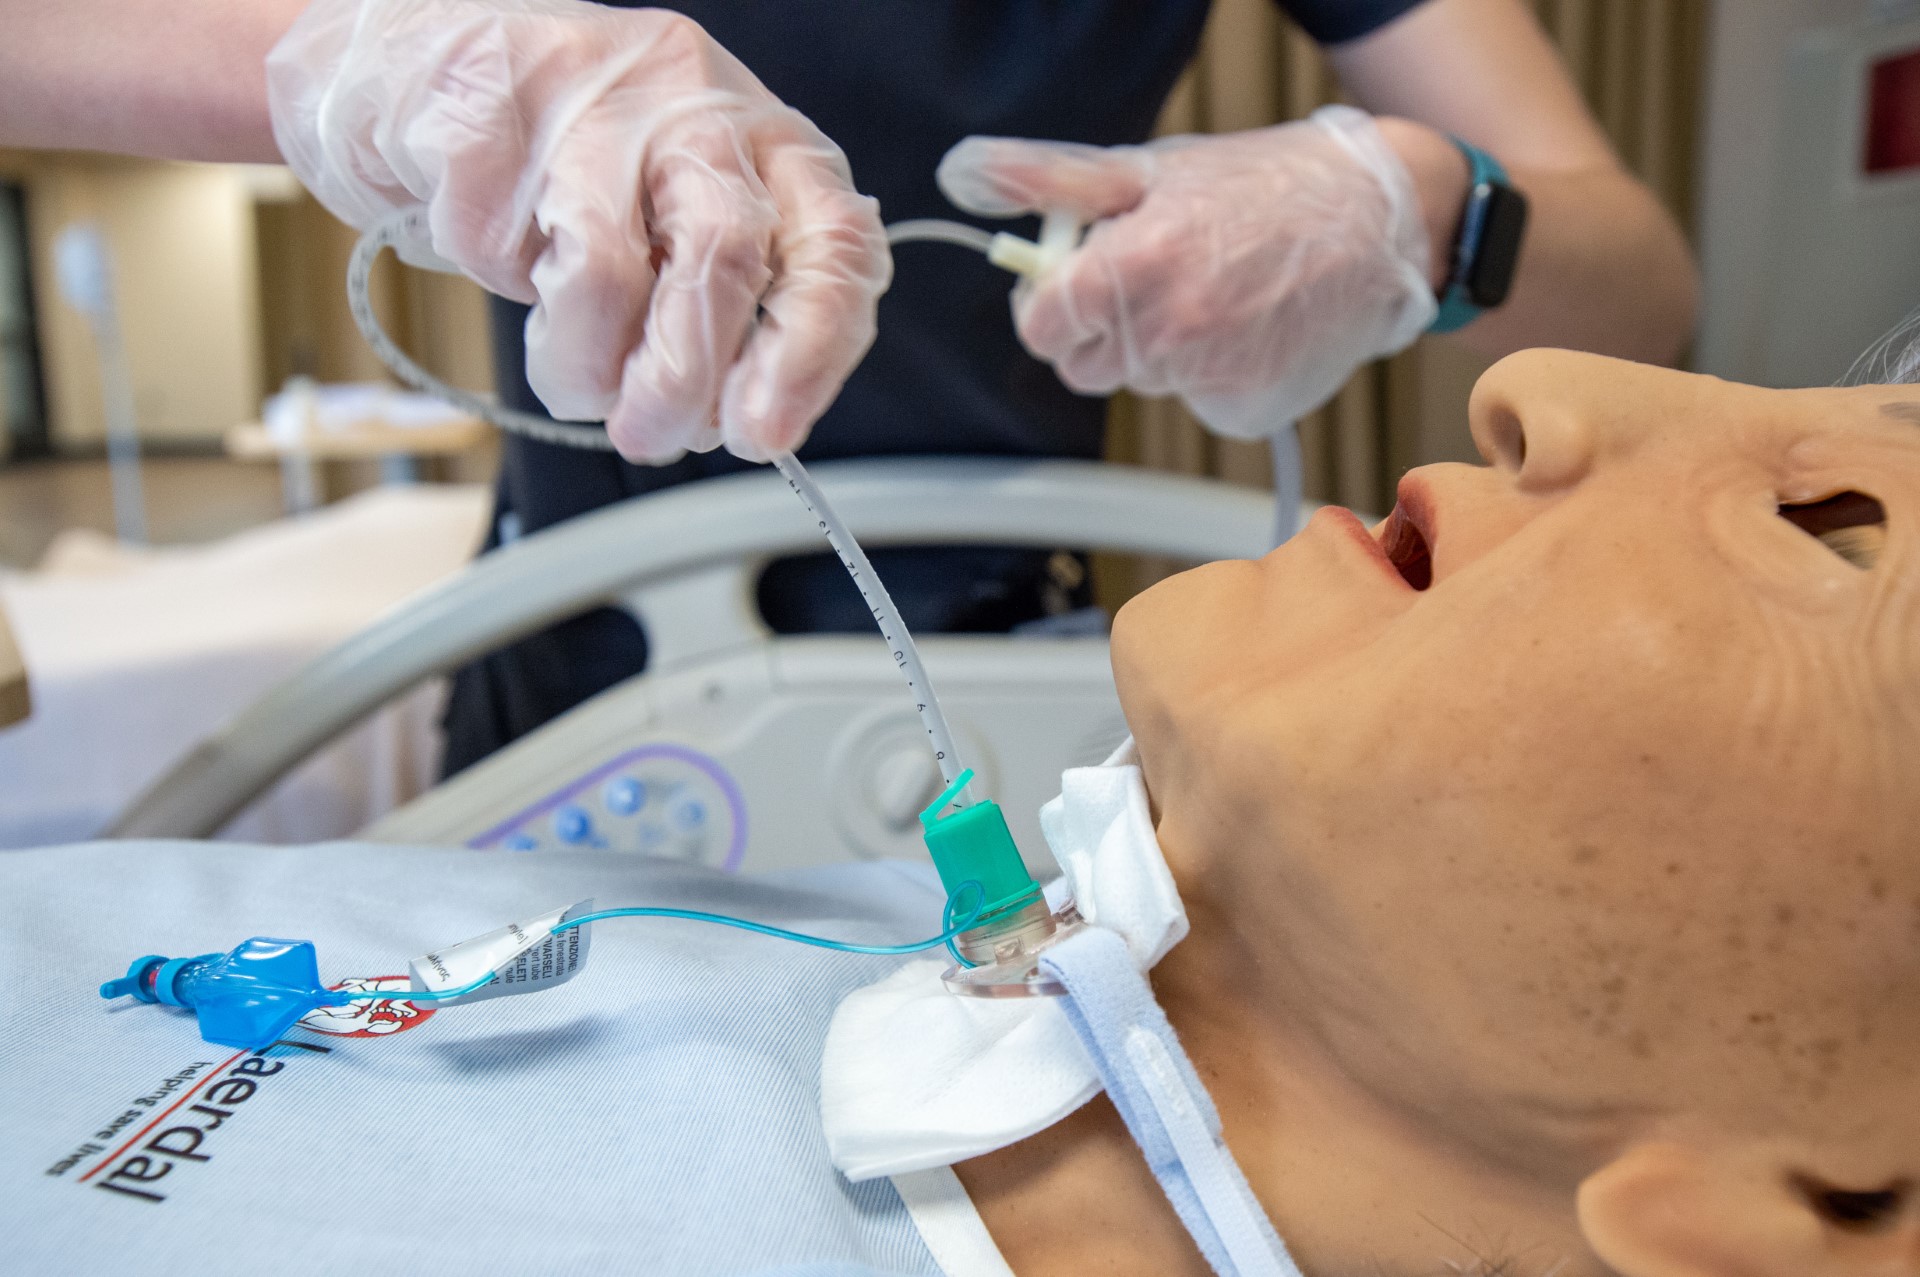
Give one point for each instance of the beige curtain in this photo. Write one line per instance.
(1638, 62)
(306, 327)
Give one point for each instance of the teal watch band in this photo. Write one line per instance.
(1457, 306)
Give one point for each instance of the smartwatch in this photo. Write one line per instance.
(1488, 245)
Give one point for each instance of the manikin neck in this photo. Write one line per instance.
(1350, 1186)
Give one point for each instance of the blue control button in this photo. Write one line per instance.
(626, 796)
(690, 815)
(572, 825)
(522, 842)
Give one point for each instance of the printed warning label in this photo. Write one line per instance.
(522, 956)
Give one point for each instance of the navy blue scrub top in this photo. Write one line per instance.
(895, 85)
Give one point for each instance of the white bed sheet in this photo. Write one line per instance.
(135, 655)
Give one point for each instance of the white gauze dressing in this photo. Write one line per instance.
(915, 1076)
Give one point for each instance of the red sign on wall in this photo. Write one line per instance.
(1893, 114)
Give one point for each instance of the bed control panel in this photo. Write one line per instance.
(656, 800)
(801, 751)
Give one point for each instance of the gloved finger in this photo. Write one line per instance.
(817, 320)
(491, 239)
(593, 283)
(1004, 177)
(1079, 315)
(714, 221)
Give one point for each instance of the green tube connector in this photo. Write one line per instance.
(975, 845)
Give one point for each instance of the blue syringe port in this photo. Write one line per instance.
(246, 998)
(139, 980)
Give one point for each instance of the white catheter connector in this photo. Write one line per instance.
(1059, 235)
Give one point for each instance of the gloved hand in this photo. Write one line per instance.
(623, 173)
(1248, 273)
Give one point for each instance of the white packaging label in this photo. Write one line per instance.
(524, 957)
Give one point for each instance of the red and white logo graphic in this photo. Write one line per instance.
(370, 1019)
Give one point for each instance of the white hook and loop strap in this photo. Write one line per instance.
(1164, 1104)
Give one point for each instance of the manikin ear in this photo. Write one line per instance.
(1674, 1210)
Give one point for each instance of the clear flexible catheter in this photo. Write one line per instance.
(410, 227)
(906, 654)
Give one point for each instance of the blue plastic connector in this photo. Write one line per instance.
(246, 998)
(137, 982)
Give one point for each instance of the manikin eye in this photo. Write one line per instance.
(1852, 1209)
(1851, 524)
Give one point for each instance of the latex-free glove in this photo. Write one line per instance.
(1248, 273)
(700, 266)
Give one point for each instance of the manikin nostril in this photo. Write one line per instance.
(1502, 438)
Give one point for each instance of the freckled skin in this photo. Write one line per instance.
(1610, 833)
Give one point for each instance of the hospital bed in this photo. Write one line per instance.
(738, 748)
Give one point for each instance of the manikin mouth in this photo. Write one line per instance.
(1407, 549)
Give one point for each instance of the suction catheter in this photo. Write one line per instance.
(996, 922)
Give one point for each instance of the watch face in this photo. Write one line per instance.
(1503, 219)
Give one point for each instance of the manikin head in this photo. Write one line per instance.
(1570, 843)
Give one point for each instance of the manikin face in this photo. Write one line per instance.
(1614, 821)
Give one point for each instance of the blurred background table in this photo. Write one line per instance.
(403, 453)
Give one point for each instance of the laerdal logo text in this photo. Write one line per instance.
(187, 1132)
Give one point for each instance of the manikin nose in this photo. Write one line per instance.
(1538, 416)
